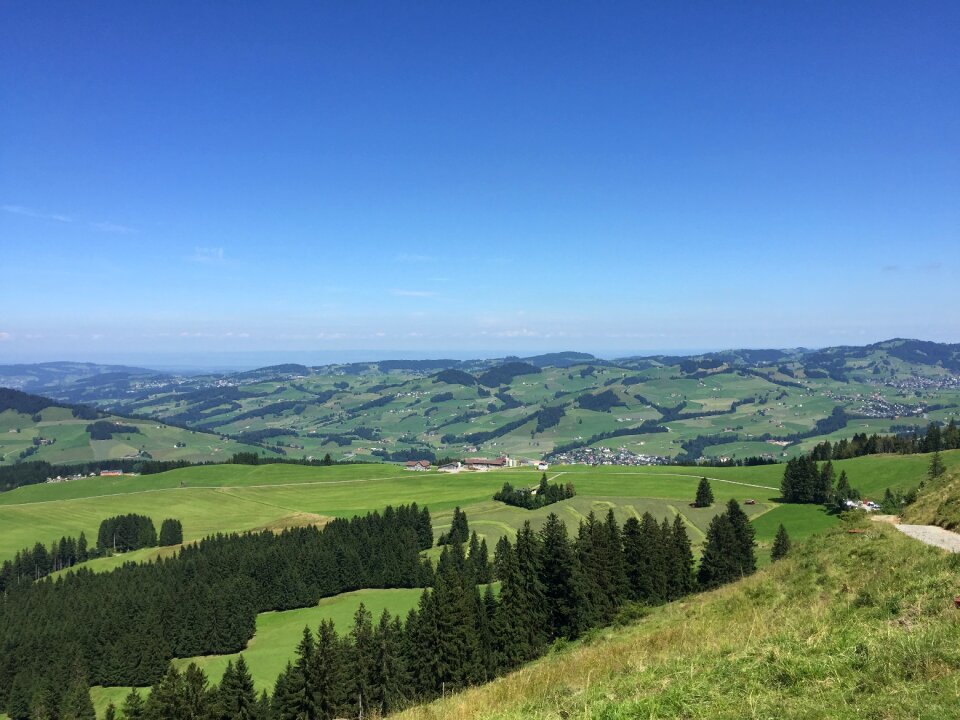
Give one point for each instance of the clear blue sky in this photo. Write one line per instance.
(183, 177)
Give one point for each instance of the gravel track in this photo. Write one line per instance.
(933, 535)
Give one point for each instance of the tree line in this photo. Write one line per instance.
(934, 439)
(32, 564)
(122, 628)
(546, 493)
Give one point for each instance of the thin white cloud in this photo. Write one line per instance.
(29, 212)
(413, 258)
(414, 293)
(209, 256)
(5, 337)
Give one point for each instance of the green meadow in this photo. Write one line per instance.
(229, 498)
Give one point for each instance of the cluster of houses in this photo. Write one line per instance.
(607, 456)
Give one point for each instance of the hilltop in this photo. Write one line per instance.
(730, 405)
(33, 428)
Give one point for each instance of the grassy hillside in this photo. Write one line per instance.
(401, 409)
(56, 436)
(849, 626)
(230, 497)
(938, 502)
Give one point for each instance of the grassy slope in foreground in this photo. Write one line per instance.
(849, 626)
(938, 502)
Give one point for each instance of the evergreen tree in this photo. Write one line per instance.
(361, 658)
(781, 544)
(166, 700)
(719, 563)
(236, 698)
(744, 535)
(682, 580)
(327, 683)
(198, 699)
(645, 560)
(288, 695)
(171, 532)
(936, 468)
(110, 713)
(843, 492)
(824, 487)
(704, 496)
(133, 706)
(76, 703)
(389, 681)
(562, 589)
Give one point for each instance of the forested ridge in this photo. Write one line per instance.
(123, 627)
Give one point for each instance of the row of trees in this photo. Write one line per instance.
(126, 532)
(934, 439)
(531, 499)
(122, 628)
(31, 564)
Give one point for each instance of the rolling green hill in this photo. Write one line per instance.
(36, 428)
(774, 403)
(234, 497)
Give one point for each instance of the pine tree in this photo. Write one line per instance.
(704, 496)
(76, 703)
(327, 683)
(824, 486)
(682, 580)
(718, 564)
(133, 707)
(936, 468)
(287, 698)
(171, 532)
(236, 698)
(197, 696)
(110, 713)
(166, 700)
(744, 534)
(562, 588)
(388, 685)
(781, 544)
(361, 658)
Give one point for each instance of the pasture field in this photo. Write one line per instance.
(227, 498)
(237, 497)
(278, 633)
(71, 443)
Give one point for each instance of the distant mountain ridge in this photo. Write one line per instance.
(724, 404)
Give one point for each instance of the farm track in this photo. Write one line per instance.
(933, 535)
(711, 479)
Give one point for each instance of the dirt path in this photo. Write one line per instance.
(933, 535)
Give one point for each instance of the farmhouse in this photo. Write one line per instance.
(110, 473)
(417, 465)
(486, 464)
(453, 467)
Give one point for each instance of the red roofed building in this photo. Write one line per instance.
(417, 465)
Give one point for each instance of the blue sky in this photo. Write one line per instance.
(612, 177)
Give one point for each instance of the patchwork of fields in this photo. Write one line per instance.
(234, 498)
